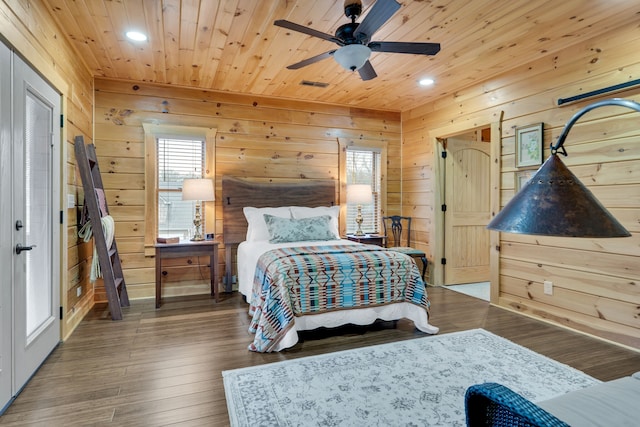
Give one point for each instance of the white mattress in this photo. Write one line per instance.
(248, 255)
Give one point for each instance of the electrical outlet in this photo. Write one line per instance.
(548, 287)
(78, 291)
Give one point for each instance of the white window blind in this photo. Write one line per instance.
(177, 159)
(363, 167)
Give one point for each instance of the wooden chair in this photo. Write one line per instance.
(395, 228)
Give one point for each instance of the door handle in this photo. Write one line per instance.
(20, 248)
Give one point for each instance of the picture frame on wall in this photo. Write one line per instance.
(522, 177)
(529, 145)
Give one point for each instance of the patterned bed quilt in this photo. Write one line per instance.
(307, 280)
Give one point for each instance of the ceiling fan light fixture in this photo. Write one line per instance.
(355, 38)
(352, 56)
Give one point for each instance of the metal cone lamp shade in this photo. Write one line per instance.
(555, 203)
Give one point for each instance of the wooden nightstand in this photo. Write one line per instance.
(184, 249)
(369, 239)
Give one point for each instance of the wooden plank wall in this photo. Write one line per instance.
(30, 30)
(596, 281)
(258, 138)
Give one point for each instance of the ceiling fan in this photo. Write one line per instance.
(354, 38)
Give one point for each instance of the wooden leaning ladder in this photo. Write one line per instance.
(108, 258)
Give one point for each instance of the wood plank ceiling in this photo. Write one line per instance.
(232, 45)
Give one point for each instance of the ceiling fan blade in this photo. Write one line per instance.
(367, 72)
(380, 13)
(405, 47)
(311, 60)
(306, 30)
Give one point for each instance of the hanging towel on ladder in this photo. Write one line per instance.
(86, 233)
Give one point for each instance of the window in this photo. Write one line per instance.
(363, 167)
(173, 153)
(177, 159)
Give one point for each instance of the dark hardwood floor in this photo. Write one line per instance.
(163, 367)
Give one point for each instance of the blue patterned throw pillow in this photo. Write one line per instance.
(282, 230)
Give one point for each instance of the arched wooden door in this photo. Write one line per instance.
(468, 209)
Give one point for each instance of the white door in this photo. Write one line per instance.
(35, 221)
(6, 235)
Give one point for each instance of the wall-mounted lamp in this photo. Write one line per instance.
(555, 203)
(359, 194)
(200, 190)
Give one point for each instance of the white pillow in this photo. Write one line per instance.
(257, 229)
(299, 212)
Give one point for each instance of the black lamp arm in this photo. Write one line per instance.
(559, 146)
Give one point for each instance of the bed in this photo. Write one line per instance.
(297, 274)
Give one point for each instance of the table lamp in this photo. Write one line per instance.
(200, 190)
(359, 194)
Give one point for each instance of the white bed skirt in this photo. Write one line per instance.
(360, 316)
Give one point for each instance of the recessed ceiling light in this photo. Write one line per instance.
(136, 35)
(426, 82)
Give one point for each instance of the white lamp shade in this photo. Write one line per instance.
(359, 194)
(352, 56)
(198, 189)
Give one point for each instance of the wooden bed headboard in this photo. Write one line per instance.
(238, 193)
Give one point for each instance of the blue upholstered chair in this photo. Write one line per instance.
(397, 232)
(603, 404)
(492, 404)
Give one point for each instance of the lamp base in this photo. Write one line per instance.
(197, 236)
(197, 222)
(359, 221)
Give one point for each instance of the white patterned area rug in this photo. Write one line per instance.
(418, 382)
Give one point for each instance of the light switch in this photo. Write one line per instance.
(71, 201)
